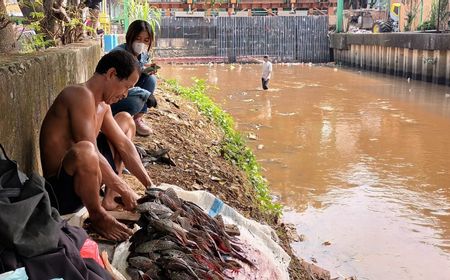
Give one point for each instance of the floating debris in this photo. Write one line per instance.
(291, 231)
(302, 237)
(252, 136)
(286, 114)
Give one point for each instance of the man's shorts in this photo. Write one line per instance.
(62, 184)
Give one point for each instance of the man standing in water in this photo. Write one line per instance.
(266, 72)
(83, 146)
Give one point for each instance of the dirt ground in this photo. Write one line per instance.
(194, 162)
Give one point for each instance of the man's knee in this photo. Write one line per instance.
(125, 121)
(83, 154)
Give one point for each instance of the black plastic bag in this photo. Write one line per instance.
(28, 224)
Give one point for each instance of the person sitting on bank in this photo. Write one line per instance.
(83, 146)
(138, 41)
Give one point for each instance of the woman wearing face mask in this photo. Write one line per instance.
(139, 39)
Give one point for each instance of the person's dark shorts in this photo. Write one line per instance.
(265, 83)
(105, 150)
(62, 186)
(67, 201)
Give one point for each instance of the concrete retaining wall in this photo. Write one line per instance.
(28, 85)
(419, 56)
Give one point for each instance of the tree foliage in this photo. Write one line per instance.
(7, 41)
(141, 9)
(413, 7)
(438, 16)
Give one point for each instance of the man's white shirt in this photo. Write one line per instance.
(266, 70)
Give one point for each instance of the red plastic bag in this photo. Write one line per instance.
(90, 251)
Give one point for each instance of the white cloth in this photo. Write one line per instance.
(266, 70)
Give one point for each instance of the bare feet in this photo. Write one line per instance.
(107, 226)
(108, 202)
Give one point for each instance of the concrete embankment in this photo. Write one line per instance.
(419, 56)
(28, 85)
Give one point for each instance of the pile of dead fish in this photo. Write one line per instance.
(178, 240)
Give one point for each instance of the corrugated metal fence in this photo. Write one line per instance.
(286, 38)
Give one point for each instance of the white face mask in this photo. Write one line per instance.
(139, 47)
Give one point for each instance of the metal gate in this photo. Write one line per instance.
(284, 38)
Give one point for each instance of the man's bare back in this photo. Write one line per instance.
(68, 141)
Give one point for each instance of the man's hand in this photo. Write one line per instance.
(129, 199)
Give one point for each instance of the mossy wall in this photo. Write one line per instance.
(28, 85)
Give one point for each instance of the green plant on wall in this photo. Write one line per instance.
(412, 6)
(141, 9)
(442, 16)
(439, 14)
(35, 36)
(35, 39)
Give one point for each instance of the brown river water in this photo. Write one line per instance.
(360, 161)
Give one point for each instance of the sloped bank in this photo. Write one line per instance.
(204, 152)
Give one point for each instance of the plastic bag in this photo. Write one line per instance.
(90, 251)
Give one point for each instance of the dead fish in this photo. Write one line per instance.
(232, 265)
(172, 228)
(232, 230)
(153, 256)
(169, 202)
(141, 151)
(185, 223)
(134, 273)
(206, 261)
(153, 193)
(205, 242)
(180, 275)
(156, 245)
(177, 264)
(141, 263)
(153, 207)
(222, 243)
(153, 273)
(141, 236)
(212, 275)
(173, 195)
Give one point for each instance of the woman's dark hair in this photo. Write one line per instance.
(135, 28)
(124, 63)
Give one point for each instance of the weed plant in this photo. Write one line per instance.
(233, 146)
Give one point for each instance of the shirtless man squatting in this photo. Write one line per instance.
(83, 146)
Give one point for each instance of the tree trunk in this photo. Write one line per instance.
(8, 41)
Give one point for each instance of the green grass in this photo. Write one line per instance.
(233, 146)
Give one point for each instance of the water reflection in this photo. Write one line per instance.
(361, 160)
